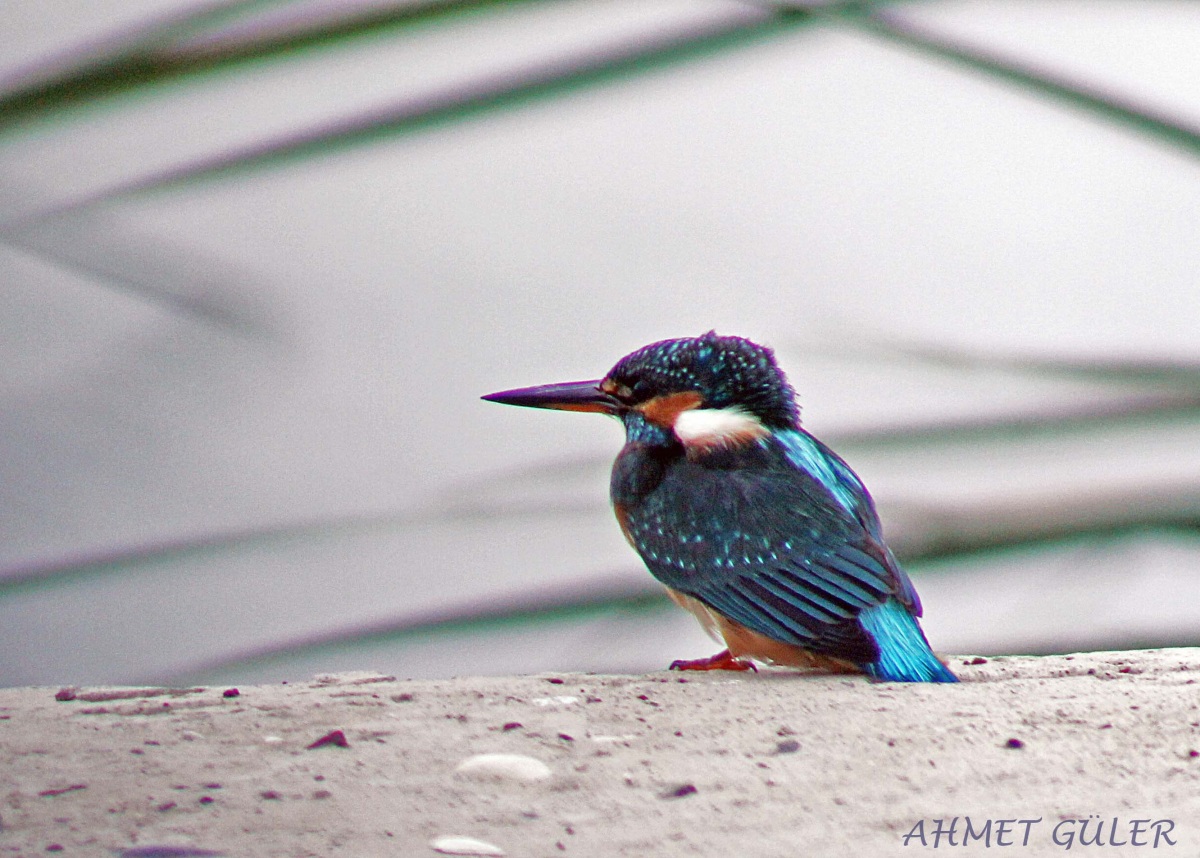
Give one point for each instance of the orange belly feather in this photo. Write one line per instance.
(744, 643)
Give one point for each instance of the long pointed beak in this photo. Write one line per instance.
(565, 396)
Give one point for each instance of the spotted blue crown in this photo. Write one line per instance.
(728, 371)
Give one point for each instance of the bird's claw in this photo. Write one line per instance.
(721, 661)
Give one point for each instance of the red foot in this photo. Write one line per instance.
(721, 661)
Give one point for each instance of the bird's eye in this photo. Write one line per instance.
(641, 390)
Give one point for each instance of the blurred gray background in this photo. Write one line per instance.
(259, 260)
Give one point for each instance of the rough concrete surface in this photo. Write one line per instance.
(770, 764)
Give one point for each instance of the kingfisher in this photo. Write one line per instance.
(751, 523)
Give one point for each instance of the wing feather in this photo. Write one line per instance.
(799, 598)
(770, 545)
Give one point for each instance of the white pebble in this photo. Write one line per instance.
(504, 767)
(563, 700)
(456, 844)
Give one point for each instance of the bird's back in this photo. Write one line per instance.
(790, 553)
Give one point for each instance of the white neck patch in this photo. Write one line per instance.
(713, 428)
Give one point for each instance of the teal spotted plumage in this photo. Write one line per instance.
(747, 519)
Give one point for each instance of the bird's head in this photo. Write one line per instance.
(700, 391)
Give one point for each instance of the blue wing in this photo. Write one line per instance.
(780, 537)
(844, 486)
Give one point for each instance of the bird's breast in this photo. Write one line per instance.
(637, 472)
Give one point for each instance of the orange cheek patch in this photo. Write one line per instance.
(662, 410)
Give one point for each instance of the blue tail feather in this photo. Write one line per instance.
(904, 654)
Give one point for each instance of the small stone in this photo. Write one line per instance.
(679, 791)
(787, 746)
(230, 692)
(512, 725)
(562, 700)
(512, 767)
(457, 844)
(333, 737)
(63, 696)
(1014, 744)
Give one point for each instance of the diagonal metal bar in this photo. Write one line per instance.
(921, 533)
(933, 532)
(24, 577)
(1148, 392)
(1177, 375)
(72, 76)
(154, 57)
(237, 318)
(637, 592)
(507, 90)
(594, 597)
(1092, 100)
(1144, 411)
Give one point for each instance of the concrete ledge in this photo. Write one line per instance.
(773, 764)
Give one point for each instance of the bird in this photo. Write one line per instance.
(750, 522)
